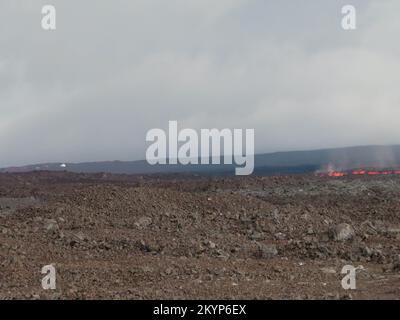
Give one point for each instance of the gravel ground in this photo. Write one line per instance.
(173, 237)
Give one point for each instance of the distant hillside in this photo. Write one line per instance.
(265, 164)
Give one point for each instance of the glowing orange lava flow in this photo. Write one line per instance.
(337, 174)
(362, 172)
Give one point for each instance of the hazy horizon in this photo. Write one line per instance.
(384, 158)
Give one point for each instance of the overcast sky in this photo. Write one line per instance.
(115, 69)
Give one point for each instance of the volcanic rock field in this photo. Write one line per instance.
(193, 237)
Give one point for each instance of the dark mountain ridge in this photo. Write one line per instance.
(265, 164)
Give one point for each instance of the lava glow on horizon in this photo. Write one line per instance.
(362, 172)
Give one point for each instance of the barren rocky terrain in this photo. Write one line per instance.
(172, 237)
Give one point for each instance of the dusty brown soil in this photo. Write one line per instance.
(123, 237)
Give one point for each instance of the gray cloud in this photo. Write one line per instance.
(113, 70)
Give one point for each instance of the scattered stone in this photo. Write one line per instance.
(309, 239)
(267, 251)
(346, 296)
(10, 205)
(342, 232)
(328, 270)
(370, 229)
(222, 254)
(255, 235)
(150, 247)
(396, 263)
(211, 245)
(310, 231)
(367, 252)
(393, 231)
(80, 236)
(168, 271)
(331, 296)
(280, 236)
(143, 222)
(324, 237)
(51, 225)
